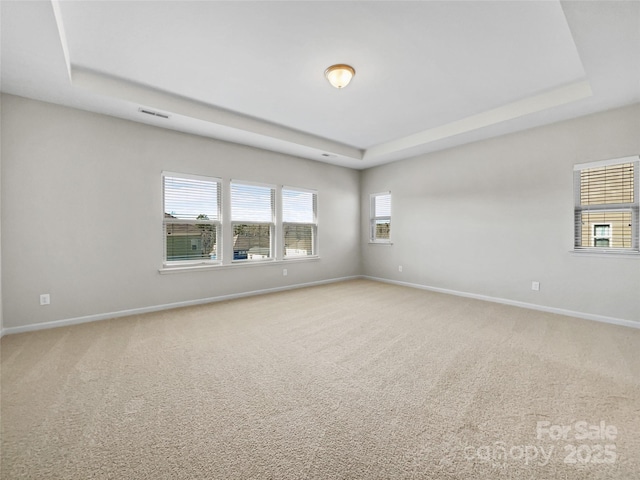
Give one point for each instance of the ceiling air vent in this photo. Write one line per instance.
(151, 112)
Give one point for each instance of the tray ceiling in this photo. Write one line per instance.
(429, 75)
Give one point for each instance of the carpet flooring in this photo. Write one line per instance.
(352, 380)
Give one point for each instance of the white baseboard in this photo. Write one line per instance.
(168, 306)
(515, 303)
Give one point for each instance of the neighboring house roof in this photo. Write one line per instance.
(182, 229)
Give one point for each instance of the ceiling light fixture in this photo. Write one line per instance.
(339, 75)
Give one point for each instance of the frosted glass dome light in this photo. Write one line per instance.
(339, 75)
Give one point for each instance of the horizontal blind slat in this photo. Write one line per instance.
(382, 205)
(607, 184)
(190, 199)
(252, 203)
(298, 206)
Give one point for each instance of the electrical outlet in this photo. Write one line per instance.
(535, 286)
(45, 299)
(284, 272)
(400, 268)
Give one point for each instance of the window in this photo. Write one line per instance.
(191, 219)
(299, 222)
(606, 206)
(601, 235)
(252, 221)
(193, 230)
(380, 224)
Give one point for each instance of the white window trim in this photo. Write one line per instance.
(166, 264)
(314, 224)
(372, 220)
(225, 226)
(233, 265)
(605, 163)
(299, 189)
(634, 208)
(272, 224)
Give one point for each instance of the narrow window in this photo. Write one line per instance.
(252, 221)
(191, 219)
(299, 222)
(380, 220)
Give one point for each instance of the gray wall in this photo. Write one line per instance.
(490, 217)
(80, 197)
(1, 316)
(82, 213)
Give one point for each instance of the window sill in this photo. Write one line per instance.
(604, 253)
(237, 264)
(383, 244)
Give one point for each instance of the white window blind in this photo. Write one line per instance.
(299, 222)
(191, 218)
(252, 203)
(606, 206)
(252, 221)
(380, 220)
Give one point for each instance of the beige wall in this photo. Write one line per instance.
(490, 217)
(82, 213)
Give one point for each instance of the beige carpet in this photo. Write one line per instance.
(354, 380)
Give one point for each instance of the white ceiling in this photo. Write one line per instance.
(429, 75)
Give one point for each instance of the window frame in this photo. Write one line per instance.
(627, 207)
(216, 223)
(373, 218)
(224, 226)
(313, 224)
(272, 223)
